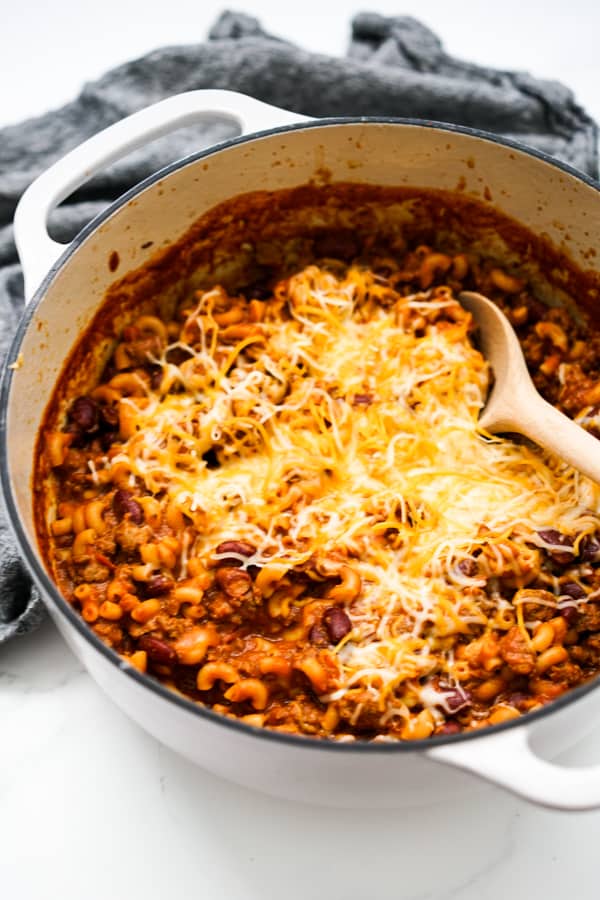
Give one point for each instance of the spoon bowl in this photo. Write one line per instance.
(514, 404)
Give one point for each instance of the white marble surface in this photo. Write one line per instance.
(91, 807)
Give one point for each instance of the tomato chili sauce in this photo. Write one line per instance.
(261, 479)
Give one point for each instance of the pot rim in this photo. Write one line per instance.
(32, 557)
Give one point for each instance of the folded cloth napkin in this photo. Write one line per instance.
(394, 66)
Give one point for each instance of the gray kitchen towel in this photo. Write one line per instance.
(394, 67)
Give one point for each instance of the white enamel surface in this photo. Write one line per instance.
(37, 251)
(509, 760)
(530, 190)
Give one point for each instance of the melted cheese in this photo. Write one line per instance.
(352, 425)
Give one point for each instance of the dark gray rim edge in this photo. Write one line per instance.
(49, 590)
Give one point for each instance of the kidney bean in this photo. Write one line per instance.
(570, 614)
(573, 590)
(235, 582)
(84, 413)
(337, 623)
(240, 548)
(79, 437)
(590, 549)
(457, 699)
(362, 400)
(157, 586)
(551, 536)
(158, 651)
(125, 505)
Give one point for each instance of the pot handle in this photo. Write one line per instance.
(507, 759)
(37, 251)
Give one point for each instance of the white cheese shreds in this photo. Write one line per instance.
(344, 427)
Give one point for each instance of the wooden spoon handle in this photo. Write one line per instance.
(555, 432)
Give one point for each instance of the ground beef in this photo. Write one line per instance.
(515, 652)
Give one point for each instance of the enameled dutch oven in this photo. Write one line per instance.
(66, 285)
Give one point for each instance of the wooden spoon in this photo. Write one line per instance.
(514, 404)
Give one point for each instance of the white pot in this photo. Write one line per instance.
(65, 287)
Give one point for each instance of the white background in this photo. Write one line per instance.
(48, 48)
(90, 807)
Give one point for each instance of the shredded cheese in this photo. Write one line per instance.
(342, 426)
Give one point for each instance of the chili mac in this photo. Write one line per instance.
(279, 502)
